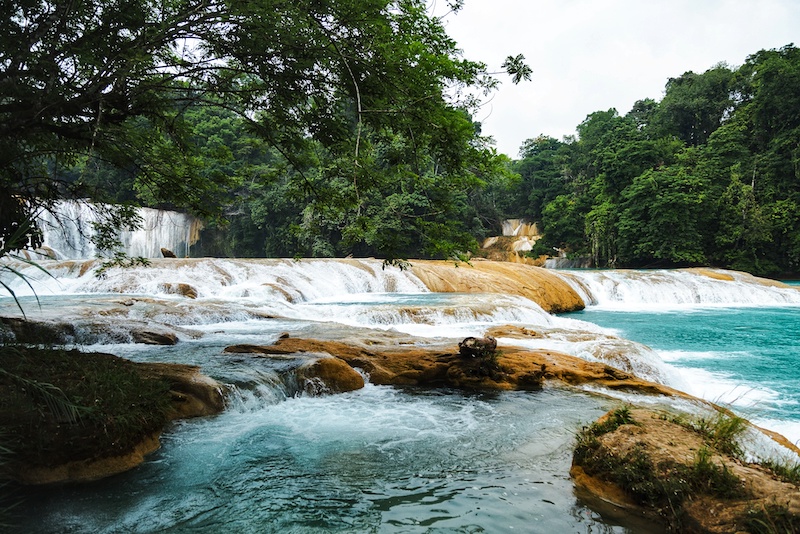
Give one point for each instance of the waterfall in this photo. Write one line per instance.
(256, 282)
(69, 227)
(520, 227)
(663, 289)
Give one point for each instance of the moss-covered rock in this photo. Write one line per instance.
(691, 477)
(72, 416)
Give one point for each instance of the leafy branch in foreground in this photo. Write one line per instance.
(52, 397)
(362, 99)
(24, 236)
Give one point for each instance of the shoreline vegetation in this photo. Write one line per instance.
(71, 416)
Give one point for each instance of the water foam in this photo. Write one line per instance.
(662, 290)
(68, 229)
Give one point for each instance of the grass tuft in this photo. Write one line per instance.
(663, 487)
(772, 519)
(721, 433)
(62, 405)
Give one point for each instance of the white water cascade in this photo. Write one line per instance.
(675, 289)
(69, 227)
(406, 455)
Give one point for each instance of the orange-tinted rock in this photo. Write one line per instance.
(87, 470)
(668, 444)
(179, 289)
(192, 395)
(544, 287)
(152, 337)
(336, 376)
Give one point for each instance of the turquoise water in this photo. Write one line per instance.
(376, 460)
(388, 459)
(747, 357)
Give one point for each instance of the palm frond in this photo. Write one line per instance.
(57, 403)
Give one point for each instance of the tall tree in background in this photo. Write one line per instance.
(112, 81)
(694, 105)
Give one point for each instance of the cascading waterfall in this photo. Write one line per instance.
(377, 456)
(663, 289)
(69, 227)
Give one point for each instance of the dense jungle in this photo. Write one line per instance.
(341, 397)
(345, 128)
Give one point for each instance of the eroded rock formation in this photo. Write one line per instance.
(544, 287)
(391, 363)
(191, 395)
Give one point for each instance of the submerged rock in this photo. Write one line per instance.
(104, 327)
(150, 337)
(179, 289)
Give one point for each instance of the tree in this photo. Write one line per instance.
(115, 82)
(542, 178)
(663, 216)
(694, 105)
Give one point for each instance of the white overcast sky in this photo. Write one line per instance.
(591, 55)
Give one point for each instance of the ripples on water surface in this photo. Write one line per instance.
(383, 459)
(375, 460)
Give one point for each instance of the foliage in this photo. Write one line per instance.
(663, 487)
(789, 472)
(120, 260)
(109, 406)
(708, 175)
(22, 235)
(722, 432)
(772, 519)
(343, 103)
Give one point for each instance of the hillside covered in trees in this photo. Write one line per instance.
(313, 127)
(710, 174)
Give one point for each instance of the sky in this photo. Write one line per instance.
(592, 55)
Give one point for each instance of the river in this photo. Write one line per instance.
(387, 459)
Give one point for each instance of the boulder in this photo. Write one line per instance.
(542, 286)
(152, 337)
(656, 465)
(167, 253)
(330, 375)
(68, 453)
(179, 289)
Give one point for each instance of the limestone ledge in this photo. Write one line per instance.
(440, 365)
(393, 363)
(540, 285)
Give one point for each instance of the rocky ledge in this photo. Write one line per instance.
(675, 471)
(687, 474)
(105, 417)
(388, 362)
